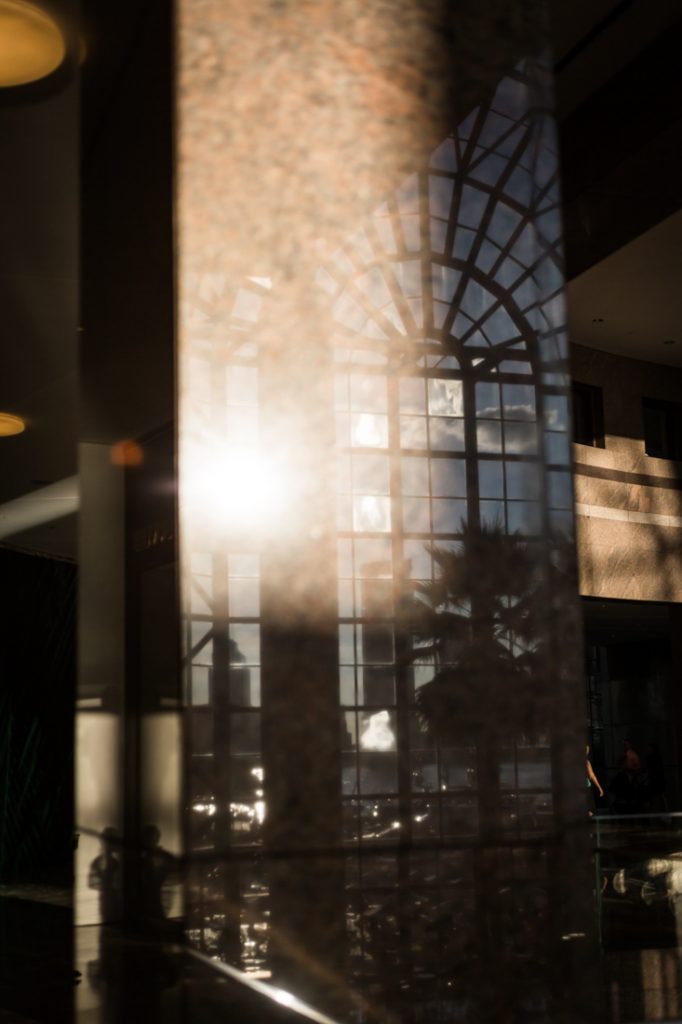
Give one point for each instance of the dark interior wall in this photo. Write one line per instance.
(126, 358)
(127, 619)
(37, 686)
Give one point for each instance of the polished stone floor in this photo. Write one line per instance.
(108, 977)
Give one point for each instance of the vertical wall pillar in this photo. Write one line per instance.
(374, 454)
(128, 725)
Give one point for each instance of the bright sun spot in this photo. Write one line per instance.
(234, 488)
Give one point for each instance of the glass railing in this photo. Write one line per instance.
(638, 885)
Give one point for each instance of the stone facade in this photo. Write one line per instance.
(629, 504)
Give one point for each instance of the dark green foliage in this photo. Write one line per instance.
(37, 686)
(483, 622)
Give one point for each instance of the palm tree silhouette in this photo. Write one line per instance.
(480, 621)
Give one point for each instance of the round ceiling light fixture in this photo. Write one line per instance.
(32, 45)
(10, 425)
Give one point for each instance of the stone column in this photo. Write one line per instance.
(370, 314)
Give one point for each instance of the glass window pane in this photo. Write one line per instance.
(412, 395)
(417, 559)
(199, 684)
(534, 768)
(415, 476)
(246, 782)
(520, 438)
(490, 479)
(371, 514)
(557, 448)
(376, 685)
(523, 480)
(523, 517)
(350, 823)
(413, 432)
(445, 398)
(369, 430)
(349, 774)
(244, 599)
(446, 434)
(245, 732)
(245, 643)
(556, 412)
(488, 400)
(449, 515)
(374, 597)
(347, 685)
(346, 645)
(345, 558)
(489, 436)
(377, 730)
(371, 474)
(459, 816)
(373, 558)
(378, 772)
(421, 675)
(375, 644)
(448, 478)
(492, 514)
(561, 523)
(424, 772)
(199, 597)
(416, 515)
(245, 565)
(560, 489)
(202, 564)
(349, 730)
(425, 819)
(204, 656)
(458, 768)
(379, 819)
(367, 393)
(519, 401)
(345, 590)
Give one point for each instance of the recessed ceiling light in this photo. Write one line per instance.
(10, 424)
(32, 45)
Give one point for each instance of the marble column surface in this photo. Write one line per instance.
(384, 775)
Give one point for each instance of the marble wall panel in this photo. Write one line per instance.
(629, 560)
(629, 517)
(385, 755)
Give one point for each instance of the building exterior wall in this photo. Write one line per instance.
(629, 504)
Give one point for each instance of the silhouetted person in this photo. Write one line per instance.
(156, 869)
(105, 876)
(593, 783)
(629, 760)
